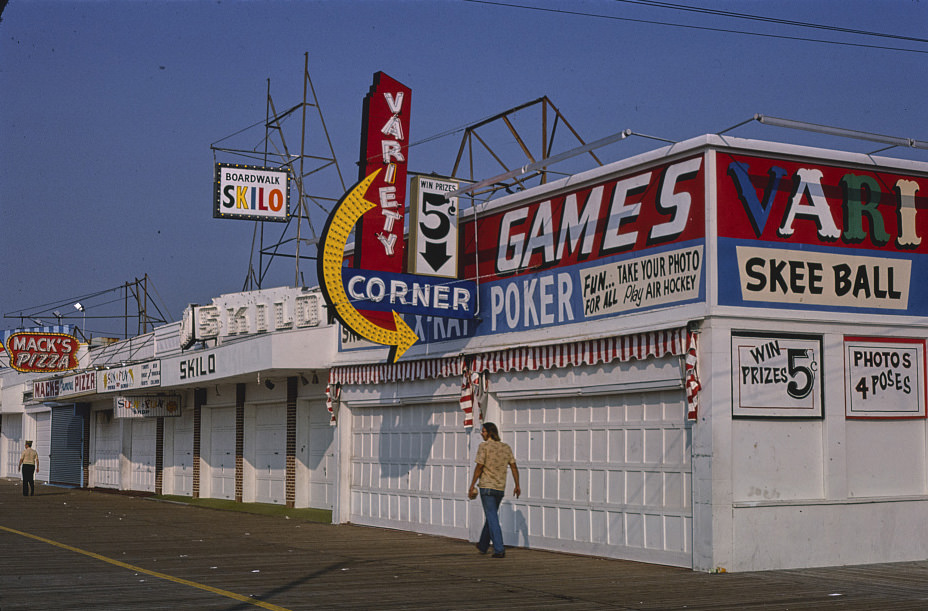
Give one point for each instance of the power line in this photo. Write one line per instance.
(734, 15)
(692, 27)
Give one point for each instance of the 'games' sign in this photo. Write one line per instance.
(629, 243)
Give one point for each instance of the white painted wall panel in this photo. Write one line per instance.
(886, 458)
(863, 532)
(321, 454)
(777, 460)
(43, 443)
(12, 427)
(182, 468)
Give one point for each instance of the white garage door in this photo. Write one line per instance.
(603, 475)
(222, 453)
(183, 453)
(12, 427)
(271, 454)
(43, 444)
(144, 437)
(107, 444)
(410, 468)
(321, 457)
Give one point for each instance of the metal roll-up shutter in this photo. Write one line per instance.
(67, 447)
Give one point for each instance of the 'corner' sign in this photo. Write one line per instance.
(338, 227)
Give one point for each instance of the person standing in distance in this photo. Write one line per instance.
(493, 456)
(29, 463)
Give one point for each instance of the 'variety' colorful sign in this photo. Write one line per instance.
(385, 147)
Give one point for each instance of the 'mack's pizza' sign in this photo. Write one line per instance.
(42, 352)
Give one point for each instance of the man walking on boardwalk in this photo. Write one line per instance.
(493, 456)
(29, 463)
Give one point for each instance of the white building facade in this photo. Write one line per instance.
(792, 269)
(711, 356)
(228, 403)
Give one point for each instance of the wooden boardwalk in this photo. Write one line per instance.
(76, 549)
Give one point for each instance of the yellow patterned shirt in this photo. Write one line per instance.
(29, 456)
(495, 456)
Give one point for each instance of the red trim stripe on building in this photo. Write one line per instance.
(467, 400)
(691, 378)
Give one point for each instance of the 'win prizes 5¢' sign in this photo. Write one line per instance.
(776, 375)
(433, 228)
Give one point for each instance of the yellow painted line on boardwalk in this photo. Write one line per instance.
(132, 567)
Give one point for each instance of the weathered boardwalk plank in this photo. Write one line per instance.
(291, 564)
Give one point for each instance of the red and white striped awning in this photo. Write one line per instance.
(639, 346)
(654, 344)
(397, 372)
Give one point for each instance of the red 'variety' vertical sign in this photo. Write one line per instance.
(385, 147)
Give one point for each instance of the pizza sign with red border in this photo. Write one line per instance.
(42, 352)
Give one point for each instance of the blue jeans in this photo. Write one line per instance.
(491, 500)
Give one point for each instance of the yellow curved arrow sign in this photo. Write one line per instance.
(335, 236)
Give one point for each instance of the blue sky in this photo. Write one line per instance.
(108, 109)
